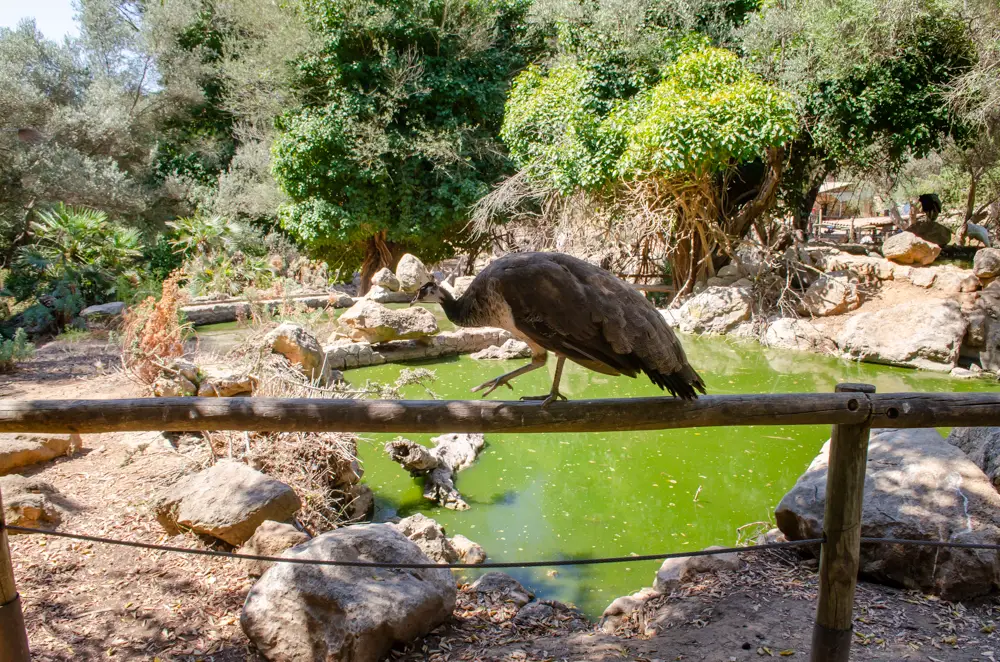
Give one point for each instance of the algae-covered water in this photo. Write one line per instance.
(555, 496)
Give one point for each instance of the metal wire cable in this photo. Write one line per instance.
(373, 564)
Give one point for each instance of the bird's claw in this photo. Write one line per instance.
(493, 385)
(546, 399)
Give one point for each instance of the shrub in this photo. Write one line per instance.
(14, 350)
(152, 333)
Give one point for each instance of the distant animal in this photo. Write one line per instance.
(930, 203)
(560, 304)
(974, 231)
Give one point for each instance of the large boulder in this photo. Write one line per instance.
(221, 382)
(924, 335)
(30, 502)
(714, 310)
(228, 501)
(908, 248)
(430, 537)
(314, 613)
(374, 323)
(931, 231)
(982, 446)
(798, 334)
(386, 279)
(411, 274)
(270, 539)
(299, 347)
(831, 294)
(21, 450)
(917, 486)
(986, 264)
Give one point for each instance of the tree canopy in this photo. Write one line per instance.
(397, 134)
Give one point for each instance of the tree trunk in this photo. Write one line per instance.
(970, 210)
(800, 221)
(379, 253)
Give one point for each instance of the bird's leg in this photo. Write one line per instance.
(554, 394)
(537, 361)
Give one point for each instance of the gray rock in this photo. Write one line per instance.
(311, 613)
(932, 231)
(299, 347)
(270, 539)
(500, 586)
(982, 446)
(374, 323)
(908, 248)
(380, 294)
(917, 486)
(986, 263)
(678, 571)
(468, 551)
(219, 382)
(533, 612)
(30, 502)
(385, 279)
(716, 310)
(228, 501)
(923, 277)
(798, 334)
(21, 449)
(411, 274)
(924, 335)
(622, 608)
(512, 349)
(831, 294)
(113, 309)
(461, 285)
(429, 536)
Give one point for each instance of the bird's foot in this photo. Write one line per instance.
(546, 399)
(494, 384)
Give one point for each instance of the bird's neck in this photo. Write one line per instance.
(456, 310)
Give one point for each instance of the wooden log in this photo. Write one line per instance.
(280, 414)
(841, 552)
(13, 636)
(889, 410)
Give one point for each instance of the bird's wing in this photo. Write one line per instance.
(552, 307)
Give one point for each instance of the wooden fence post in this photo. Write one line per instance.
(13, 636)
(841, 551)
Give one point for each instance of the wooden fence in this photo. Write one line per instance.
(852, 410)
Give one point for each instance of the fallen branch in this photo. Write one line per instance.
(438, 465)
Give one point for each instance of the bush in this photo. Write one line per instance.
(152, 333)
(15, 350)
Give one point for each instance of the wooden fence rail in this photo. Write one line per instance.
(887, 410)
(852, 410)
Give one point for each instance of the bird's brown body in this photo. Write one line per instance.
(558, 303)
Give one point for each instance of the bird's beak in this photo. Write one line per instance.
(413, 303)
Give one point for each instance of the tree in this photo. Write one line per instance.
(396, 136)
(656, 157)
(871, 80)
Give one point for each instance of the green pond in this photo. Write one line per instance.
(565, 496)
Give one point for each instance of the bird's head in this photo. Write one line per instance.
(430, 293)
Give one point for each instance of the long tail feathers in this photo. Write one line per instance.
(683, 384)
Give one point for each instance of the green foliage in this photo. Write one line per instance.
(871, 80)
(403, 101)
(705, 115)
(14, 350)
(221, 256)
(78, 251)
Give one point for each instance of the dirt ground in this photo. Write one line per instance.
(84, 601)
